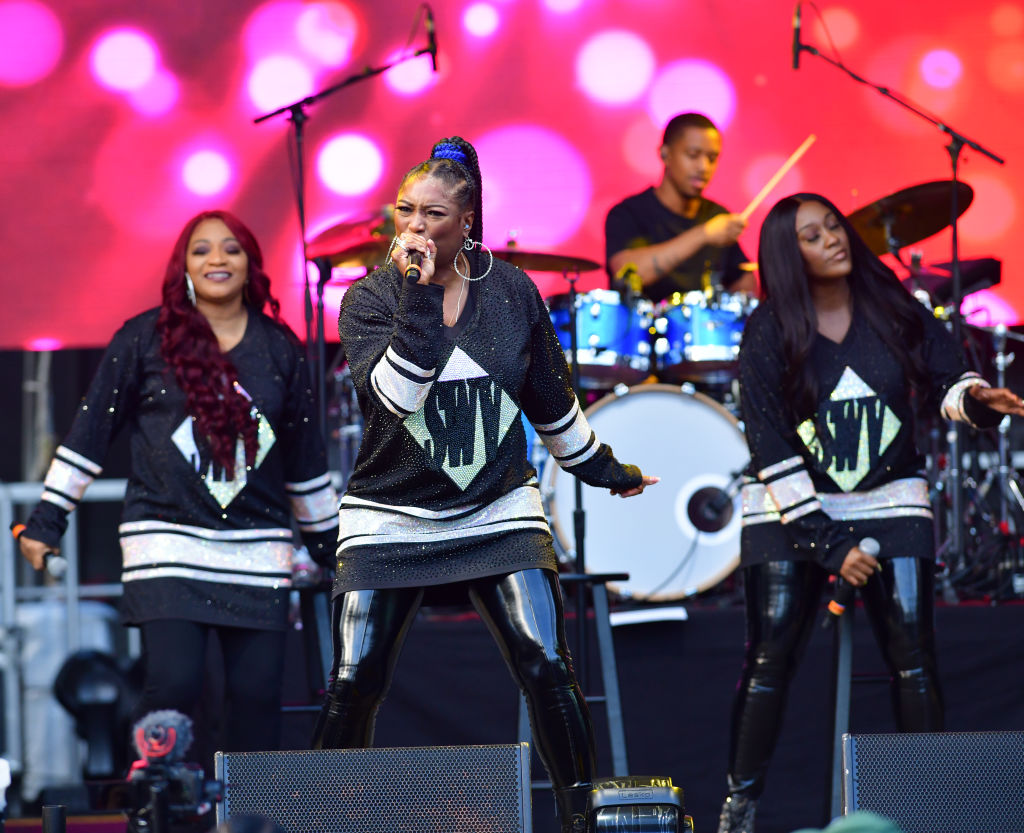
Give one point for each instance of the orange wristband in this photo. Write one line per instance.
(17, 529)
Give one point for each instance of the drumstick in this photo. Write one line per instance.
(781, 172)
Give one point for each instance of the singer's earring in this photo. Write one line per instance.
(468, 246)
(190, 289)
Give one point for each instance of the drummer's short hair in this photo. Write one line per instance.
(674, 129)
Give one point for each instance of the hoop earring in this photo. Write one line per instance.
(468, 246)
(190, 289)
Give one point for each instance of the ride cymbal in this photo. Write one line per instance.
(910, 215)
(543, 262)
(363, 241)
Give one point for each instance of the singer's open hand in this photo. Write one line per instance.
(34, 551)
(1003, 400)
(407, 243)
(637, 490)
(858, 567)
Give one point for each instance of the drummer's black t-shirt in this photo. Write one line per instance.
(642, 220)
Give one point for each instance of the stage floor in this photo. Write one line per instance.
(677, 680)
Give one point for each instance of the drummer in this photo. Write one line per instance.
(678, 240)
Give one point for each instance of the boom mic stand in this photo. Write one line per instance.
(298, 117)
(579, 516)
(955, 146)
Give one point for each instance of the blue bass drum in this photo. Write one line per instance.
(613, 338)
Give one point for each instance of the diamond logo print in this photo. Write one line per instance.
(463, 421)
(224, 491)
(860, 428)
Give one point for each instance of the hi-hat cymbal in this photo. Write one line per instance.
(910, 215)
(543, 262)
(359, 242)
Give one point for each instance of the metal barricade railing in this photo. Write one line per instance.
(22, 494)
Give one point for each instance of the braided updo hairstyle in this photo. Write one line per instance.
(454, 162)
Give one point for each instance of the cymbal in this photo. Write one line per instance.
(542, 262)
(910, 215)
(363, 241)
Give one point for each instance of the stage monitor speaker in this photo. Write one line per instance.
(429, 789)
(970, 782)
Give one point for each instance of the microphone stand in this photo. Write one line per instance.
(296, 112)
(579, 515)
(955, 146)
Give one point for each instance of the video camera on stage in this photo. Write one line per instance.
(165, 791)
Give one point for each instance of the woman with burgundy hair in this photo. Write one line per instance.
(216, 397)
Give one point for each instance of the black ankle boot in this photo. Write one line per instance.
(737, 814)
(572, 803)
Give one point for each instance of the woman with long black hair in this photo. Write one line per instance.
(837, 363)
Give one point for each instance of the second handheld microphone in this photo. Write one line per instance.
(846, 591)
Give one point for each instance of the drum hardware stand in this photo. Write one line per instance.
(1007, 478)
(598, 584)
(956, 144)
(296, 112)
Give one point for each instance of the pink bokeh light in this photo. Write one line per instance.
(481, 20)
(411, 76)
(31, 42)
(941, 68)
(206, 172)
(692, 85)
(327, 32)
(43, 344)
(563, 6)
(278, 80)
(1004, 66)
(615, 67)
(350, 164)
(519, 191)
(158, 96)
(124, 60)
(839, 23)
(640, 145)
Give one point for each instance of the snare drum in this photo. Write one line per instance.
(612, 337)
(662, 538)
(699, 340)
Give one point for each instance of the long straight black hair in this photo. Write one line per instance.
(877, 294)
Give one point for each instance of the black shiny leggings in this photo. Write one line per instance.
(782, 600)
(522, 610)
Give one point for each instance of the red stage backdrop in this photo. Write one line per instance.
(121, 119)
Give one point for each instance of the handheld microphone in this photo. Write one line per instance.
(846, 591)
(797, 47)
(412, 271)
(431, 36)
(55, 565)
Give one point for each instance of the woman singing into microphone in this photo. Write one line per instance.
(444, 356)
(836, 365)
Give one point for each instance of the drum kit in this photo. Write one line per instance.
(659, 382)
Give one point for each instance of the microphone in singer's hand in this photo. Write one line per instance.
(412, 271)
(54, 564)
(846, 591)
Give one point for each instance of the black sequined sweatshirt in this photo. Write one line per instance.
(196, 545)
(853, 470)
(442, 490)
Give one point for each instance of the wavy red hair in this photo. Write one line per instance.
(189, 346)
